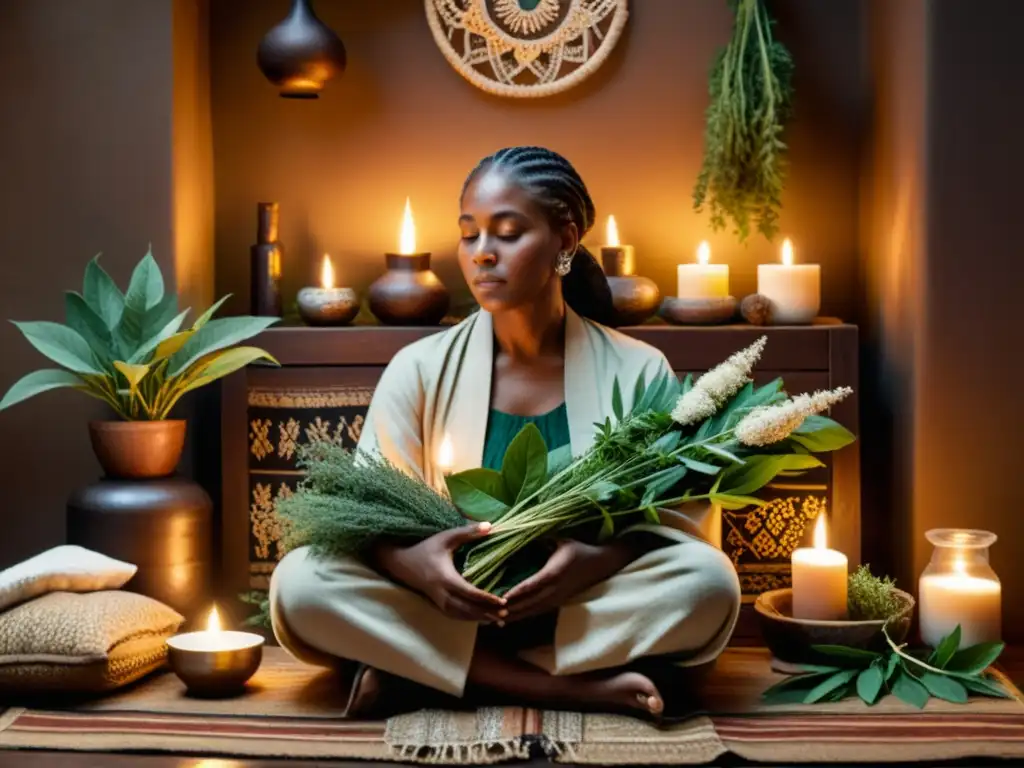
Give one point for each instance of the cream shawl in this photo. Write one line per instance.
(442, 385)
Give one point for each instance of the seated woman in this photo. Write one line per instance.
(535, 352)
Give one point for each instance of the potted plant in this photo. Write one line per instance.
(130, 351)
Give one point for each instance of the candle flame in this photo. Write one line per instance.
(407, 237)
(704, 253)
(787, 252)
(820, 533)
(612, 235)
(213, 624)
(446, 454)
(327, 273)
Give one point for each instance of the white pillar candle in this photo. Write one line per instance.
(794, 290)
(820, 579)
(703, 280)
(948, 599)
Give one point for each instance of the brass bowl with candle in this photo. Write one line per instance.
(790, 640)
(214, 663)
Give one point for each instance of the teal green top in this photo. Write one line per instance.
(502, 427)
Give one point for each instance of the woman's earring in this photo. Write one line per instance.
(563, 263)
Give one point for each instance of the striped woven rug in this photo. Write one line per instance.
(292, 710)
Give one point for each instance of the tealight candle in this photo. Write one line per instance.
(703, 280)
(213, 661)
(616, 258)
(820, 578)
(794, 290)
(327, 305)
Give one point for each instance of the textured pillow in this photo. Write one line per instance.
(89, 642)
(66, 568)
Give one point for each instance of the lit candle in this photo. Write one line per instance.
(326, 304)
(820, 579)
(703, 280)
(407, 232)
(617, 259)
(948, 599)
(214, 661)
(794, 290)
(445, 455)
(214, 638)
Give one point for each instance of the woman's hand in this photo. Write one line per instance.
(572, 568)
(427, 568)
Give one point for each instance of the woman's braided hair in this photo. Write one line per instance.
(555, 185)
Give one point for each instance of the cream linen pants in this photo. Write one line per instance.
(682, 599)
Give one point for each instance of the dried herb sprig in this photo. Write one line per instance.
(870, 598)
(742, 176)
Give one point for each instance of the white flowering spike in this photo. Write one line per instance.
(712, 390)
(772, 423)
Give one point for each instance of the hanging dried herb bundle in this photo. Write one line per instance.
(751, 93)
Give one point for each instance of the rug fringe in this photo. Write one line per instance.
(477, 753)
(558, 751)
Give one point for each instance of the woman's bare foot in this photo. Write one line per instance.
(622, 689)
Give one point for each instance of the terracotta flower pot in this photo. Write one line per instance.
(138, 449)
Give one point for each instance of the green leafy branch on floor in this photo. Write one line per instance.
(948, 672)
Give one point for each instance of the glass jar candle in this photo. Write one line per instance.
(960, 587)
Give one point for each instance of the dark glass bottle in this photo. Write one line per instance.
(265, 264)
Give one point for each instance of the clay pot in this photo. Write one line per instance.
(409, 293)
(635, 298)
(138, 449)
(301, 54)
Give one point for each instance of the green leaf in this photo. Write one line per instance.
(891, 666)
(869, 683)
(490, 482)
(829, 684)
(985, 686)
(204, 318)
(61, 345)
(909, 690)
(146, 287)
(667, 442)
(975, 659)
(821, 434)
(651, 515)
(159, 316)
(133, 374)
(559, 459)
(946, 648)
(732, 502)
(757, 472)
(943, 687)
(792, 690)
(525, 465)
(722, 453)
(215, 335)
(474, 503)
(699, 466)
(226, 362)
(81, 318)
(151, 344)
(101, 294)
(36, 383)
(602, 490)
(639, 388)
(660, 482)
(607, 525)
(846, 652)
(617, 399)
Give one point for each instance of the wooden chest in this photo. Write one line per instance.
(327, 378)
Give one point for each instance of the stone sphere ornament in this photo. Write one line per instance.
(526, 48)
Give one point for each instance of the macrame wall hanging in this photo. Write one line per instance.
(526, 48)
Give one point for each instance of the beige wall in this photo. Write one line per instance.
(402, 122)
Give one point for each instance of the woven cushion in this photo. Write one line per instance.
(67, 568)
(83, 642)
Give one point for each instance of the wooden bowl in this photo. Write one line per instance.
(790, 639)
(698, 311)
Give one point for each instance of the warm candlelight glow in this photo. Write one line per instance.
(787, 252)
(327, 273)
(820, 533)
(704, 253)
(446, 454)
(407, 238)
(213, 623)
(612, 235)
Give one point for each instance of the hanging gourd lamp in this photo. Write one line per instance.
(301, 53)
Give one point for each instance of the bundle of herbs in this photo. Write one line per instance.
(751, 94)
(718, 439)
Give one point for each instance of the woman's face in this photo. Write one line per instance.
(508, 247)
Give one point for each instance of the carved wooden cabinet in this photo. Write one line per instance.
(327, 378)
